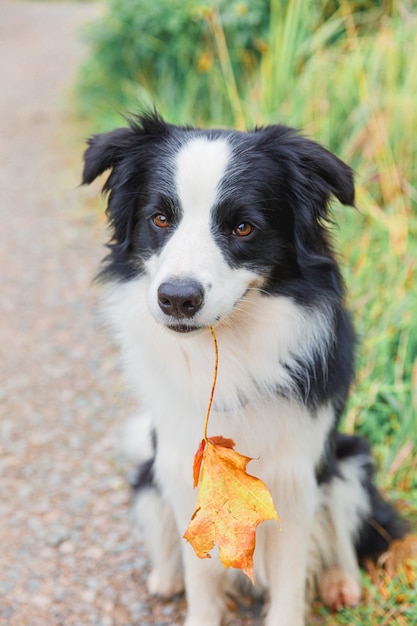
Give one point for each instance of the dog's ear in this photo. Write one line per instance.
(321, 175)
(307, 176)
(128, 153)
(312, 170)
(326, 171)
(104, 152)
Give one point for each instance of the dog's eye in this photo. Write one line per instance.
(243, 230)
(160, 220)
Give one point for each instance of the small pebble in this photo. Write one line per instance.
(41, 601)
(66, 547)
(89, 595)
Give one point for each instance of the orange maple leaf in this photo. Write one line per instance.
(230, 502)
(230, 505)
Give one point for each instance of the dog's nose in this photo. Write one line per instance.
(181, 298)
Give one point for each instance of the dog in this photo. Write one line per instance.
(230, 230)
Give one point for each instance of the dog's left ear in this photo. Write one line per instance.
(314, 172)
(327, 171)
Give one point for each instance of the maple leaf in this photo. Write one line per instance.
(230, 505)
(401, 556)
(230, 502)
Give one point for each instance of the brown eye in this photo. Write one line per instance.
(160, 220)
(243, 230)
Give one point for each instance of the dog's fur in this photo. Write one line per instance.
(230, 230)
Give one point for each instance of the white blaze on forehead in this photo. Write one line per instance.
(192, 251)
(200, 167)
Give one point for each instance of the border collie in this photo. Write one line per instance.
(230, 229)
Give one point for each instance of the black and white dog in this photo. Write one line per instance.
(229, 229)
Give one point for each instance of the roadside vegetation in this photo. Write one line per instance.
(346, 73)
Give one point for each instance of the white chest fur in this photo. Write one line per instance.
(172, 374)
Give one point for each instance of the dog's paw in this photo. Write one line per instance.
(164, 586)
(338, 590)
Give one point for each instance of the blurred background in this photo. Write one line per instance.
(343, 71)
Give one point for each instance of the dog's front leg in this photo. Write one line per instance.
(204, 585)
(287, 580)
(287, 552)
(204, 578)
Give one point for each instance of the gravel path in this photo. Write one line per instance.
(68, 554)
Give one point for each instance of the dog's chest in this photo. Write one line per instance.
(253, 404)
(273, 430)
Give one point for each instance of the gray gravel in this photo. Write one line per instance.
(68, 554)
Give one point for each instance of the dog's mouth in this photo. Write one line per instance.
(183, 328)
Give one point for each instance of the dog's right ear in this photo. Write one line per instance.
(104, 152)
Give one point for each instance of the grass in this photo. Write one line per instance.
(350, 82)
(384, 604)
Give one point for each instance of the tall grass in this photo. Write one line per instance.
(171, 53)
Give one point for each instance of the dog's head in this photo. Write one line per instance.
(208, 216)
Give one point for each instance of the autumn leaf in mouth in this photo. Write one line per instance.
(230, 502)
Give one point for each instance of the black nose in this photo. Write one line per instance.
(181, 298)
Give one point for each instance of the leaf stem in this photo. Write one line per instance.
(213, 386)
